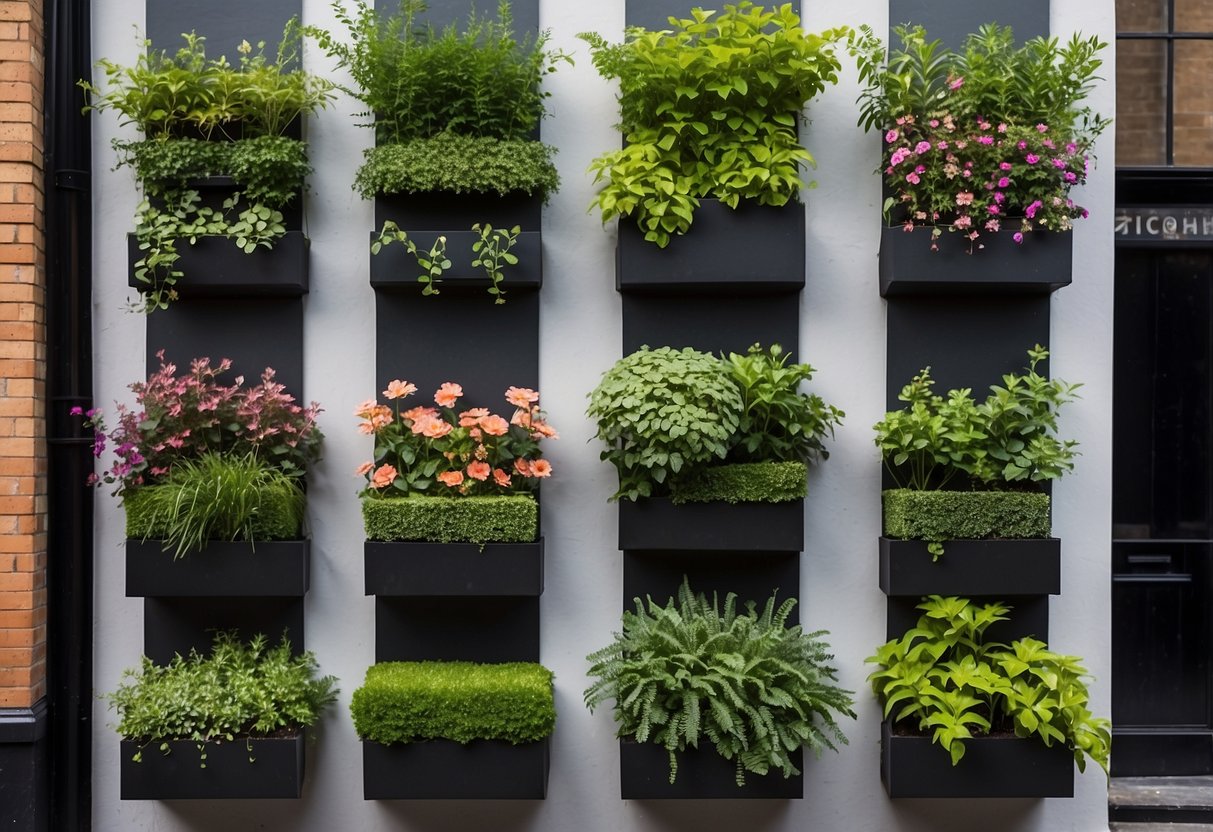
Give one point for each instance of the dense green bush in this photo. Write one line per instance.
(746, 482)
(458, 164)
(404, 702)
(498, 519)
(939, 516)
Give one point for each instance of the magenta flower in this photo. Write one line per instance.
(1017, 237)
(1071, 177)
(1031, 158)
(1042, 128)
(899, 156)
(986, 140)
(913, 178)
(891, 136)
(1004, 182)
(993, 209)
(922, 147)
(956, 83)
(1059, 163)
(1030, 211)
(1004, 165)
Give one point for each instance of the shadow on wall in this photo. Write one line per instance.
(991, 814)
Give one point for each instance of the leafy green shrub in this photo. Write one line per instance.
(460, 701)
(458, 164)
(239, 690)
(661, 410)
(499, 519)
(939, 516)
(756, 688)
(217, 497)
(746, 482)
(942, 676)
(709, 108)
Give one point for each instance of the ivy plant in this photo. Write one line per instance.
(942, 676)
(754, 687)
(709, 108)
(491, 252)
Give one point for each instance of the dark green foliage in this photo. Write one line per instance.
(746, 482)
(460, 701)
(458, 164)
(216, 497)
(239, 690)
(756, 688)
(939, 516)
(504, 519)
(943, 676)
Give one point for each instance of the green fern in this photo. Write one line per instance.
(754, 687)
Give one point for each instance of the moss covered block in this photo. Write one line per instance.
(965, 515)
(749, 482)
(506, 519)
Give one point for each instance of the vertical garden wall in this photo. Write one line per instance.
(349, 335)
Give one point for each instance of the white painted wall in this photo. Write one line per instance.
(842, 334)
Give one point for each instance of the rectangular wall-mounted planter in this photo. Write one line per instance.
(971, 567)
(913, 766)
(1041, 264)
(644, 774)
(451, 569)
(757, 527)
(214, 267)
(446, 770)
(718, 253)
(394, 268)
(276, 770)
(271, 568)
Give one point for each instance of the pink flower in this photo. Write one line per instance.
(1004, 165)
(964, 198)
(1002, 128)
(1031, 158)
(942, 145)
(1022, 145)
(1017, 237)
(1030, 211)
(364, 469)
(992, 225)
(1071, 177)
(899, 156)
(1042, 128)
(913, 178)
(383, 477)
(986, 140)
(993, 209)
(891, 136)
(922, 147)
(956, 83)
(934, 122)
(397, 389)
(447, 394)
(1004, 182)
(1071, 148)
(963, 221)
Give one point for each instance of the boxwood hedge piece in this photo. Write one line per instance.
(404, 702)
(276, 518)
(506, 519)
(747, 482)
(938, 516)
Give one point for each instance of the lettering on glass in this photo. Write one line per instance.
(1150, 223)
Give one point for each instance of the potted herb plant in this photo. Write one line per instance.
(230, 724)
(458, 174)
(971, 476)
(1010, 720)
(985, 144)
(450, 502)
(219, 163)
(709, 111)
(711, 452)
(211, 477)
(455, 730)
(689, 672)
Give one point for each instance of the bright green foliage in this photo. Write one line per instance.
(709, 108)
(1008, 438)
(756, 688)
(778, 422)
(943, 677)
(458, 164)
(744, 482)
(940, 516)
(239, 690)
(492, 253)
(661, 410)
(502, 519)
(460, 701)
(216, 497)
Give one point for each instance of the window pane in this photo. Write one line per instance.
(1141, 102)
(1193, 103)
(1143, 15)
(1193, 16)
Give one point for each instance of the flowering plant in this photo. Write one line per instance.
(184, 417)
(428, 450)
(985, 139)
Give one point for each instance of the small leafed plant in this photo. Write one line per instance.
(754, 687)
(491, 253)
(943, 677)
(709, 108)
(236, 692)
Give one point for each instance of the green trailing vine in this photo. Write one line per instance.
(491, 253)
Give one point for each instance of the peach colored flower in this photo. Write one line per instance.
(363, 410)
(435, 428)
(521, 396)
(521, 466)
(447, 394)
(363, 469)
(476, 433)
(468, 418)
(540, 428)
(397, 389)
(383, 477)
(451, 478)
(479, 471)
(495, 425)
(541, 468)
(417, 412)
(501, 478)
(521, 417)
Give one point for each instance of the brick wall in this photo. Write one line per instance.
(22, 360)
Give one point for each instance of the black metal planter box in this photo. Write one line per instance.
(271, 568)
(753, 248)
(215, 267)
(394, 268)
(971, 567)
(1041, 264)
(644, 774)
(758, 527)
(451, 569)
(913, 766)
(276, 770)
(447, 770)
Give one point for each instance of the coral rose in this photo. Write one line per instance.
(383, 476)
(541, 468)
(521, 396)
(479, 471)
(468, 418)
(397, 389)
(364, 469)
(436, 428)
(521, 466)
(448, 394)
(495, 425)
(451, 478)
(501, 478)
